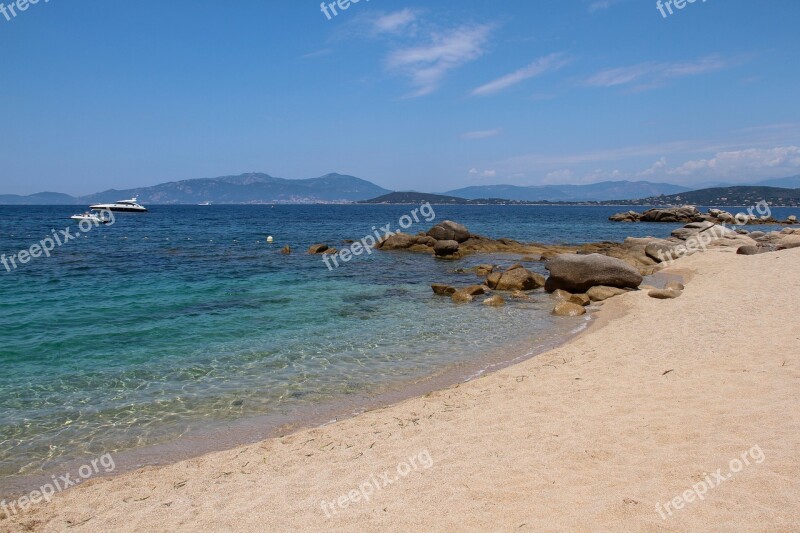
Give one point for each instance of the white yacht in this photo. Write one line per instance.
(125, 206)
(92, 217)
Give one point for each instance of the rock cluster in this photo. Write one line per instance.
(690, 213)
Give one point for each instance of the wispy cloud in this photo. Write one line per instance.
(602, 5)
(537, 68)
(427, 65)
(654, 74)
(395, 22)
(318, 53)
(483, 134)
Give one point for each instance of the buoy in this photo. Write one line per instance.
(269, 239)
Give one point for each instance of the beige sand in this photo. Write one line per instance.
(589, 436)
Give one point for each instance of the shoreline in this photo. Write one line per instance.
(217, 437)
(555, 441)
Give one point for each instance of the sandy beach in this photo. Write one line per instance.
(666, 415)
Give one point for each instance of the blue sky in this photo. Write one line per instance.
(99, 94)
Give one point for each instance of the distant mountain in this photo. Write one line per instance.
(415, 198)
(792, 182)
(42, 198)
(726, 196)
(243, 189)
(607, 190)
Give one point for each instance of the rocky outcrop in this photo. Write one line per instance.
(579, 273)
(467, 294)
(517, 278)
(286, 250)
(690, 213)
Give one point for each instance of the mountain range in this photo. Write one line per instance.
(258, 188)
(253, 188)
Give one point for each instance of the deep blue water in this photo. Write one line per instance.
(183, 317)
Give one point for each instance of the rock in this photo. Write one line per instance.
(671, 214)
(748, 250)
(319, 249)
(440, 289)
(494, 301)
(484, 270)
(628, 216)
(562, 294)
(569, 309)
(286, 250)
(664, 294)
(398, 241)
(756, 234)
(519, 295)
(445, 248)
(461, 297)
(580, 299)
(530, 259)
(662, 251)
(578, 273)
(792, 219)
(601, 293)
(518, 279)
(449, 231)
(474, 290)
(674, 286)
(789, 241)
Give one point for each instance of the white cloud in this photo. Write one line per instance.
(395, 22)
(427, 65)
(742, 163)
(484, 134)
(655, 74)
(540, 66)
(489, 173)
(473, 171)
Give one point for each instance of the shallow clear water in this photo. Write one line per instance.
(165, 322)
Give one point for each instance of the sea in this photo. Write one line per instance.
(182, 330)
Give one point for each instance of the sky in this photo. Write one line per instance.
(412, 95)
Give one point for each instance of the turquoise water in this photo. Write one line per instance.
(176, 320)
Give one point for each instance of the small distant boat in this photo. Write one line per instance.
(124, 206)
(92, 217)
(204, 203)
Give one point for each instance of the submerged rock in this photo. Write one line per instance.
(441, 289)
(494, 301)
(319, 249)
(601, 293)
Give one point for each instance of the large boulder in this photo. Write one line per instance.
(449, 231)
(516, 279)
(578, 273)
